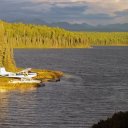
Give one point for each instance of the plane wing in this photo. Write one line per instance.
(25, 70)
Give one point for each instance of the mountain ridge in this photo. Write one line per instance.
(78, 27)
(87, 27)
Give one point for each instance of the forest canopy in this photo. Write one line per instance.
(19, 35)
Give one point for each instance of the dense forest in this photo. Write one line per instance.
(19, 35)
(27, 35)
(35, 36)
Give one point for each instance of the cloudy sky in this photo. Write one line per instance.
(74, 11)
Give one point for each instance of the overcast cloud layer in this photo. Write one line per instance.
(73, 11)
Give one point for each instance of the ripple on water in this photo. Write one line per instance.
(93, 88)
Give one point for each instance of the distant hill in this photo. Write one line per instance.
(28, 20)
(113, 27)
(87, 27)
(75, 26)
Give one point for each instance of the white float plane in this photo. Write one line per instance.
(22, 74)
(25, 76)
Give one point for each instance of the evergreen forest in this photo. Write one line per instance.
(19, 35)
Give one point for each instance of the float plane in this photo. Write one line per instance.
(25, 76)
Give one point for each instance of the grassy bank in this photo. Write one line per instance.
(44, 75)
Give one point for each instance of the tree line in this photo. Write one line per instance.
(19, 35)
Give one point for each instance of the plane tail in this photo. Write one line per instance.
(3, 72)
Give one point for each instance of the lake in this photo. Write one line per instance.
(95, 86)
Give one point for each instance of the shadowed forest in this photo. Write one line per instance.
(118, 120)
(19, 35)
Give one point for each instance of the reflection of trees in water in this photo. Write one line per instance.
(3, 108)
(18, 88)
(11, 104)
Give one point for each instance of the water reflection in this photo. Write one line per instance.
(22, 89)
(15, 103)
(3, 105)
(97, 88)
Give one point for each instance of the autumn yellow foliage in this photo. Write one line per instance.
(19, 35)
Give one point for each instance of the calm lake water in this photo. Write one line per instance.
(94, 87)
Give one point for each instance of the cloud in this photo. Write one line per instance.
(71, 1)
(107, 7)
(74, 11)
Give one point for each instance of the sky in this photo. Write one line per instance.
(94, 12)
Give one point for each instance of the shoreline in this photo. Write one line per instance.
(42, 74)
